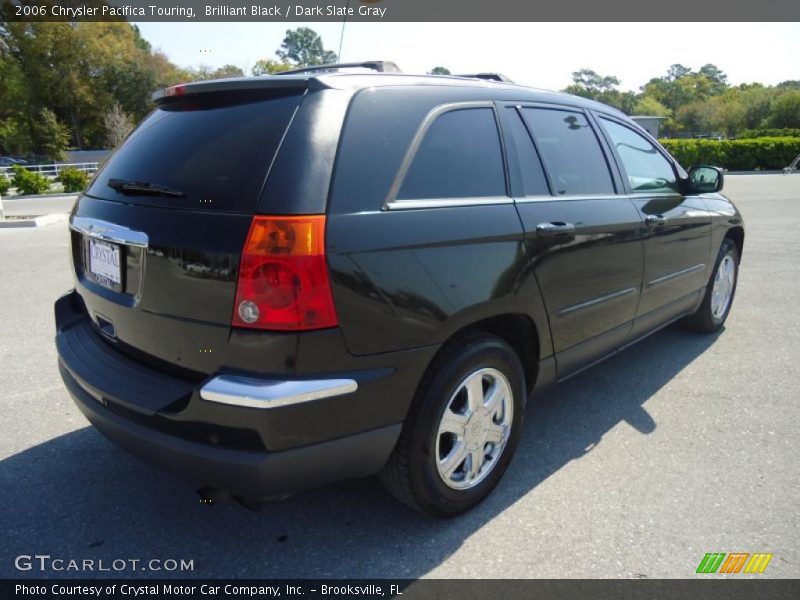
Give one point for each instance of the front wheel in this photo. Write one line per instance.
(462, 428)
(716, 305)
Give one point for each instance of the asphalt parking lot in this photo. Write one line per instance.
(679, 446)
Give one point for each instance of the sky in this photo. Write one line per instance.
(536, 54)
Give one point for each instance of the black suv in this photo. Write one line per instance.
(290, 280)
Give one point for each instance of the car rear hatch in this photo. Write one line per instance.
(157, 237)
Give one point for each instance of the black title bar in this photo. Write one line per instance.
(710, 11)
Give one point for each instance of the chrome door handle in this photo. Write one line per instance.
(555, 229)
(655, 220)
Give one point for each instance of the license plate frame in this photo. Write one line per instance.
(99, 256)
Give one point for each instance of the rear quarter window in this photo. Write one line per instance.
(214, 148)
(459, 157)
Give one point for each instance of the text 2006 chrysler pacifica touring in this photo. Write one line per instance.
(291, 280)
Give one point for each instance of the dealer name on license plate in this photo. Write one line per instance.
(104, 263)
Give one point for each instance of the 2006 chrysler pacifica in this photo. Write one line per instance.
(290, 280)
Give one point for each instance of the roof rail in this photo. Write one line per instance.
(488, 77)
(381, 66)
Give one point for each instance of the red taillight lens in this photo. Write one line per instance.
(283, 277)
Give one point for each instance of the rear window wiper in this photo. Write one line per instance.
(145, 188)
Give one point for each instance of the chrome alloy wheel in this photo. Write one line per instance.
(474, 429)
(722, 291)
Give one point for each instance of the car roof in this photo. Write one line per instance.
(359, 81)
(338, 80)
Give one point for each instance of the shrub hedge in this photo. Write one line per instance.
(4, 184)
(28, 182)
(73, 179)
(765, 153)
(757, 133)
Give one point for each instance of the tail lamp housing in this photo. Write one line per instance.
(283, 276)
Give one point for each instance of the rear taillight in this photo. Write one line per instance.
(283, 277)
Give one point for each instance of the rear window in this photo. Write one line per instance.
(215, 149)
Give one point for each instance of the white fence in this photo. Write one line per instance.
(52, 171)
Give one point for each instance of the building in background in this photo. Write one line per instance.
(651, 124)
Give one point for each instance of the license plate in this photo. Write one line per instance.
(105, 263)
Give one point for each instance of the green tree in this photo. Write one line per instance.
(78, 71)
(267, 66)
(589, 84)
(439, 71)
(303, 47)
(785, 111)
(717, 79)
(14, 101)
(677, 71)
(681, 85)
(140, 42)
(204, 72)
(649, 106)
(756, 102)
(14, 137)
(50, 136)
(603, 88)
(164, 72)
(227, 71)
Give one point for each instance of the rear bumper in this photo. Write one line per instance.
(242, 473)
(248, 434)
(266, 394)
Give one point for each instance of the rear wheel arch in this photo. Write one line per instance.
(518, 330)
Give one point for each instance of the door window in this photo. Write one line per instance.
(570, 150)
(534, 182)
(647, 169)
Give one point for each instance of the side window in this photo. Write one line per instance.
(647, 169)
(460, 157)
(570, 151)
(534, 182)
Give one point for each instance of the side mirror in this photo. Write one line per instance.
(705, 180)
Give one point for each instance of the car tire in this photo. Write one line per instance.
(720, 291)
(472, 366)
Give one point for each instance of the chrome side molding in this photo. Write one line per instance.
(109, 232)
(669, 276)
(446, 202)
(254, 392)
(598, 300)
